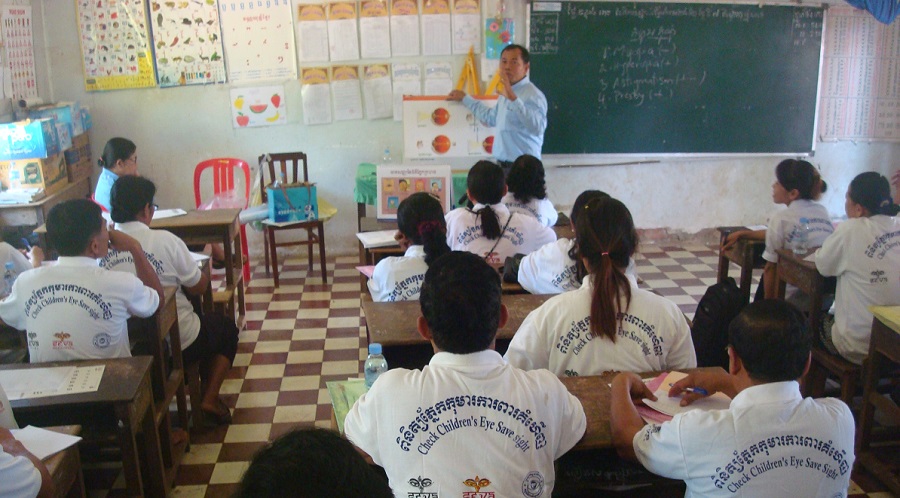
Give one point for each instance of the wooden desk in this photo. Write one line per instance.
(35, 213)
(125, 398)
(167, 375)
(65, 466)
(745, 253)
(216, 226)
(393, 325)
(794, 269)
(884, 346)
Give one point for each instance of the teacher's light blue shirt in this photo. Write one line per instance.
(104, 187)
(520, 124)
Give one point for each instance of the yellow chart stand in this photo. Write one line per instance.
(494, 86)
(468, 78)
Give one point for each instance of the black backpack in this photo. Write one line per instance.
(718, 306)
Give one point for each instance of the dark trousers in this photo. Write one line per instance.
(506, 165)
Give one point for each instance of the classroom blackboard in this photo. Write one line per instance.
(676, 77)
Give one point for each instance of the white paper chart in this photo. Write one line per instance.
(259, 39)
(51, 381)
(860, 97)
(19, 51)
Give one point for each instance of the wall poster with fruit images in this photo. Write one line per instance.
(259, 39)
(435, 128)
(115, 44)
(258, 106)
(397, 182)
(188, 42)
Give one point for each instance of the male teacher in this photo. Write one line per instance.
(520, 115)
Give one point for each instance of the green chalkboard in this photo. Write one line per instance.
(676, 77)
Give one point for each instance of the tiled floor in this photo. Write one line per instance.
(305, 333)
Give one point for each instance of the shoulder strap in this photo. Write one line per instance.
(500, 237)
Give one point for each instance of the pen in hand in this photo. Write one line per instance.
(695, 390)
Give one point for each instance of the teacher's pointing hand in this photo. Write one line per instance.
(456, 95)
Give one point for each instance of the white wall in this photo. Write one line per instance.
(176, 128)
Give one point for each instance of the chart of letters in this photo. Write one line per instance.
(860, 97)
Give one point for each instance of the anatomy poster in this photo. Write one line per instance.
(397, 182)
(258, 106)
(188, 43)
(115, 44)
(259, 39)
(435, 128)
(19, 50)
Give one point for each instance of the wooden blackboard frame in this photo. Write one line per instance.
(549, 70)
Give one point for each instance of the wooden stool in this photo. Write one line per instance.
(825, 364)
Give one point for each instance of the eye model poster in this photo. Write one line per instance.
(435, 128)
(397, 182)
(115, 44)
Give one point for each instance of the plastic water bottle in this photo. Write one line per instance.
(386, 157)
(375, 364)
(9, 278)
(801, 237)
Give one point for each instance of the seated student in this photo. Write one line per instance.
(769, 442)
(22, 474)
(554, 268)
(119, 159)
(20, 262)
(422, 233)
(864, 255)
(311, 463)
(608, 323)
(528, 192)
(797, 186)
(488, 229)
(208, 339)
(76, 310)
(442, 424)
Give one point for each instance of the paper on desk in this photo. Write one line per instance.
(670, 406)
(43, 443)
(380, 238)
(344, 394)
(50, 381)
(368, 271)
(168, 213)
(199, 257)
(757, 227)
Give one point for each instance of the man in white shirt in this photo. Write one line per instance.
(468, 422)
(22, 475)
(769, 442)
(76, 310)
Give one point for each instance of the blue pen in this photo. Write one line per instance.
(26, 243)
(695, 390)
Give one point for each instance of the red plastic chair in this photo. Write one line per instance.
(223, 173)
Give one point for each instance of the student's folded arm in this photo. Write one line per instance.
(199, 287)
(624, 419)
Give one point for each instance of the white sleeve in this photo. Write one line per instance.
(549, 212)
(528, 350)
(10, 253)
(376, 283)
(540, 234)
(19, 476)
(573, 422)
(184, 265)
(681, 353)
(527, 276)
(361, 424)
(12, 312)
(774, 237)
(658, 448)
(144, 300)
(830, 259)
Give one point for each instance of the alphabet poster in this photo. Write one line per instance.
(259, 39)
(258, 106)
(188, 43)
(17, 42)
(115, 44)
(436, 128)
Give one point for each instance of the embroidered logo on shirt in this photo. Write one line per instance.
(421, 483)
(477, 483)
(533, 485)
(102, 340)
(62, 341)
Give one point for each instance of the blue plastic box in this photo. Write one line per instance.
(29, 139)
(300, 204)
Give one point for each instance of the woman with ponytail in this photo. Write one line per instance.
(488, 229)
(608, 323)
(422, 233)
(864, 255)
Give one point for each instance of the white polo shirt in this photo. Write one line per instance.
(76, 310)
(399, 278)
(174, 266)
(653, 335)
(770, 442)
(464, 416)
(523, 235)
(20, 478)
(864, 255)
(539, 209)
(550, 270)
(785, 223)
(10, 253)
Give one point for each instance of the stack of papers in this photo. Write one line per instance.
(21, 195)
(664, 408)
(43, 443)
(381, 238)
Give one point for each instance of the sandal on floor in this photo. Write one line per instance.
(216, 418)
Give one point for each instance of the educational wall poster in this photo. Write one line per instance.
(374, 30)
(345, 92)
(404, 28)
(19, 50)
(258, 106)
(188, 43)
(315, 92)
(498, 34)
(860, 94)
(466, 20)
(343, 42)
(312, 33)
(438, 78)
(397, 182)
(435, 24)
(435, 128)
(377, 91)
(259, 39)
(115, 44)
(407, 80)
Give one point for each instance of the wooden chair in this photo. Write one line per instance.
(825, 364)
(288, 165)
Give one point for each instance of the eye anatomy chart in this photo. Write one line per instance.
(435, 128)
(188, 42)
(17, 42)
(115, 44)
(259, 39)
